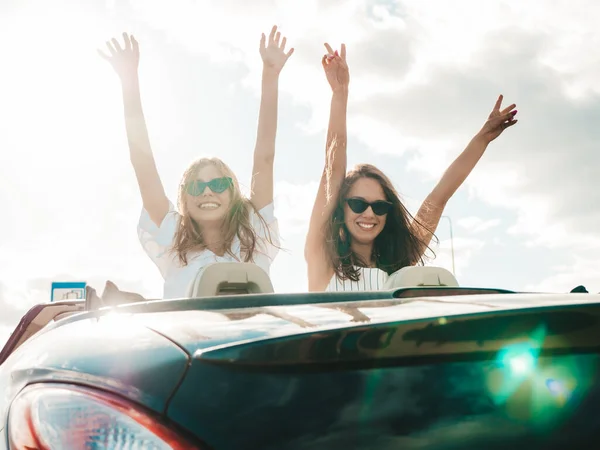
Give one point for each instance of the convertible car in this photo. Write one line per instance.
(423, 364)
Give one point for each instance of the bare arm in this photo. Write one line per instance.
(334, 172)
(140, 153)
(125, 63)
(430, 212)
(274, 58)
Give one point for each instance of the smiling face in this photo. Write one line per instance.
(209, 205)
(365, 226)
(357, 236)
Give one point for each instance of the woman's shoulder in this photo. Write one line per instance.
(265, 226)
(163, 232)
(157, 240)
(266, 213)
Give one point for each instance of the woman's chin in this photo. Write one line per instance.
(206, 217)
(364, 238)
(367, 235)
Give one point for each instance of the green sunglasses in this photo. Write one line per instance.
(217, 185)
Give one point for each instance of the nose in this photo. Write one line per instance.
(368, 212)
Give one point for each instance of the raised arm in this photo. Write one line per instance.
(334, 171)
(274, 58)
(431, 210)
(125, 63)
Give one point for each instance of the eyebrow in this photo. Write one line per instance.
(369, 201)
(205, 181)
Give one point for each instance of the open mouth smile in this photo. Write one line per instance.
(209, 205)
(365, 226)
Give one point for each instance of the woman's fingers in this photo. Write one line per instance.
(508, 109)
(116, 45)
(127, 41)
(510, 115)
(272, 33)
(135, 45)
(113, 46)
(110, 48)
(498, 103)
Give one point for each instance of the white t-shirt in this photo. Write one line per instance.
(157, 243)
(370, 279)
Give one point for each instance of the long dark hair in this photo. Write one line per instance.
(395, 247)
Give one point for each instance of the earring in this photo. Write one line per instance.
(342, 234)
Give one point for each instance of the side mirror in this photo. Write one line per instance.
(230, 279)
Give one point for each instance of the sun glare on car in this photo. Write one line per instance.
(522, 364)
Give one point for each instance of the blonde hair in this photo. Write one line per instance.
(188, 236)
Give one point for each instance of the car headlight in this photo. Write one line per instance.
(53, 417)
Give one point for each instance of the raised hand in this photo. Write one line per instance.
(499, 120)
(273, 52)
(123, 60)
(336, 69)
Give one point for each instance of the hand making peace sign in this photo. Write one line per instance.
(336, 69)
(498, 121)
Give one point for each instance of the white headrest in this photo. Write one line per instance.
(229, 279)
(421, 276)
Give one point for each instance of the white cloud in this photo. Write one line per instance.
(552, 142)
(425, 74)
(432, 88)
(477, 224)
(576, 270)
(465, 249)
(293, 207)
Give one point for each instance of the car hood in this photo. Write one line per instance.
(200, 330)
(111, 354)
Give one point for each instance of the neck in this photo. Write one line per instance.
(213, 238)
(365, 252)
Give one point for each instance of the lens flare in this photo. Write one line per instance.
(522, 364)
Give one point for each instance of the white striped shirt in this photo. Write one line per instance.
(370, 279)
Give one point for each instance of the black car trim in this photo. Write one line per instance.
(417, 360)
(566, 327)
(282, 299)
(183, 374)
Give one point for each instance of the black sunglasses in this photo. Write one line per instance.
(379, 207)
(217, 185)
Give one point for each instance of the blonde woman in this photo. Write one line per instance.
(213, 222)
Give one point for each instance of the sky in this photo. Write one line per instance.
(424, 76)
